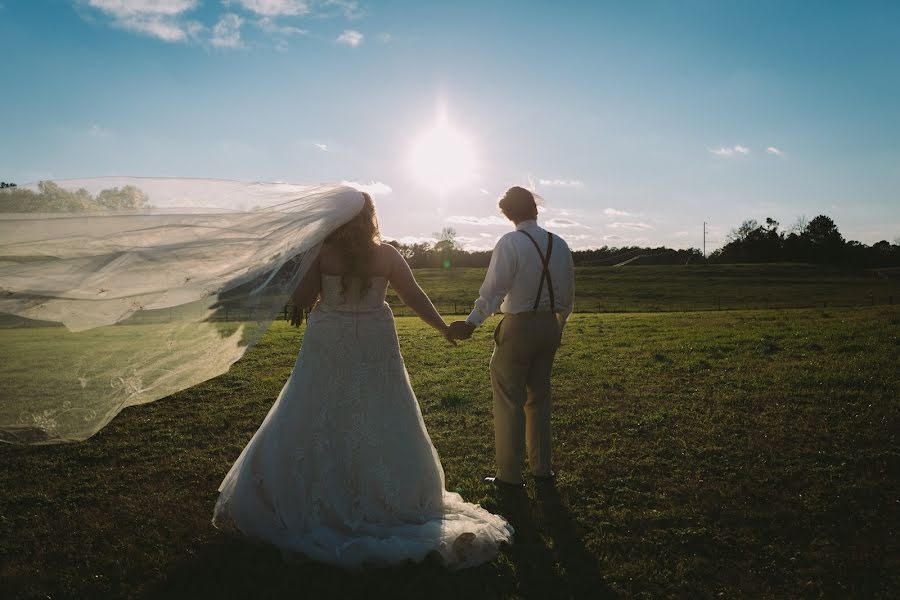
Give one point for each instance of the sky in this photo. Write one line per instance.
(635, 121)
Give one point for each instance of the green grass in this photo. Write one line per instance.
(97, 372)
(687, 288)
(706, 454)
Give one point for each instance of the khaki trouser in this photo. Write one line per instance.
(524, 348)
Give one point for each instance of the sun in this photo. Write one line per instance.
(442, 158)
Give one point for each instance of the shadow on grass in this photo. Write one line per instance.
(550, 558)
(547, 560)
(230, 568)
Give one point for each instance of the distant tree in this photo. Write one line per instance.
(447, 238)
(49, 197)
(799, 225)
(796, 247)
(4, 185)
(127, 198)
(418, 254)
(743, 232)
(446, 247)
(826, 242)
(882, 254)
(822, 229)
(752, 242)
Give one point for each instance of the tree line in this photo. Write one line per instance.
(49, 197)
(815, 241)
(449, 254)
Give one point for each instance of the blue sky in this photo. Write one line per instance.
(636, 121)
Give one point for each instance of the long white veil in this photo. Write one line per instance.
(121, 291)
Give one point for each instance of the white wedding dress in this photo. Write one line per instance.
(342, 469)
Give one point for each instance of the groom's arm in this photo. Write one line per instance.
(497, 282)
(567, 293)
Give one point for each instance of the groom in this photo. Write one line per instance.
(531, 280)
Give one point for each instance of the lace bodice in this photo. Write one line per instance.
(333, 297)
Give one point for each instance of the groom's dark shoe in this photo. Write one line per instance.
(503, 485)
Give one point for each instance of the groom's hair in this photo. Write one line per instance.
(518, 204)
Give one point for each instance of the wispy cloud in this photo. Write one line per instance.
(774, 150)
(475, 244)
(125, 8)
(614, 212)
(156, 18)
(570, 183)
(348, 8)
(350, 37)
(271, 26)
(375, 188)
(736, 150)
(563, 223)
(480, 221)
(411, 239)
(168, 20)
(636, 226)
(322, 147)
(385, 38)
(580, 241)
(274, 8)
(227, 32)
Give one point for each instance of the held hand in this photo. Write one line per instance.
(461, 330)
(447, 335)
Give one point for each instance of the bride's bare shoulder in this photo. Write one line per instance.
(389, 258)
(386, 249)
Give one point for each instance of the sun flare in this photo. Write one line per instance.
(442, 158)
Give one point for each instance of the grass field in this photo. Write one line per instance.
(689, 288)
(700, 454)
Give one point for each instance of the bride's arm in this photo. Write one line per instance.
(404, 283)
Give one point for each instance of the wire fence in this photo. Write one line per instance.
(625, 305)
(460, 309)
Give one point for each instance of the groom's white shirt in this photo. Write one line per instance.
(514, 274)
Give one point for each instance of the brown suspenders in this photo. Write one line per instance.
(545, 274)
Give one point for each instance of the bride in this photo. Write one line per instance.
(342, 469)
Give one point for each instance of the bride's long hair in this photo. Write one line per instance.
(356, 242)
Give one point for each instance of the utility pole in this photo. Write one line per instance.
(704, 239)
